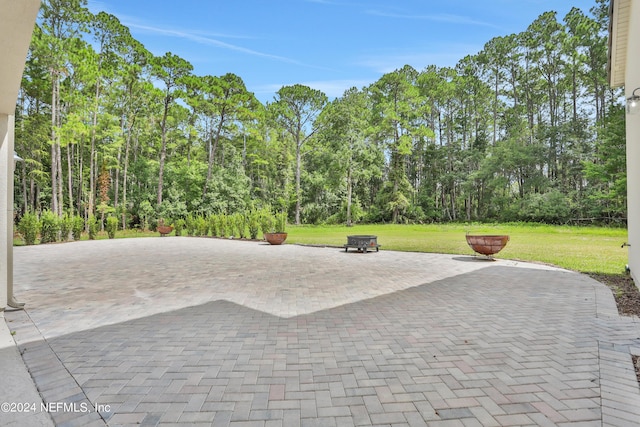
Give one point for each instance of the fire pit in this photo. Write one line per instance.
(362, 243)
(487, 245)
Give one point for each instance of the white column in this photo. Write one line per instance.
(632, 81)
(7, 132)
(6, 186)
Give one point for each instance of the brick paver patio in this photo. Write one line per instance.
(197, 331)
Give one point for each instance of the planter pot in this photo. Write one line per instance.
(164, 230)
(487, 245)
(275, 238)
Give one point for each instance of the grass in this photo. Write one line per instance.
(102, 235)
(584, 249)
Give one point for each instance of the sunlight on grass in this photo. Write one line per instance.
(585, 249)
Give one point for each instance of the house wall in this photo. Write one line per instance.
(632, 81)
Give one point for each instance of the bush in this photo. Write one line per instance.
(78, 227)
(254, 224)
(281, 222)
(214, 225)
(223, 225)
(112, 226)
(241, 224)
(232, 225)
(66, 226)
(551, 208)
(190, 225)
(178, 226)
(267, 221)
(314, 213)
(202, 227)
(29, 227)
(93, 225)
(50, 227)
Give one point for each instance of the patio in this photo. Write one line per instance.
(201, 331)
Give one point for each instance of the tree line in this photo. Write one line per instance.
(525, 130)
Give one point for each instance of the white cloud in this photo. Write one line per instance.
(196, 37)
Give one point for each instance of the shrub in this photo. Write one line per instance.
(552, 207)
(231, 225)
(29, 227)
(202, 227)
(234, 225)
(78, 226)
(190, 225)
(223, 225)
(66, 226)
(145, 212)
(112, 226)
(241, 224)
(178, 226)
(253, 224)
(267, 221)
(93, 225)
(50, 227)
(214, 225)
(281, 222)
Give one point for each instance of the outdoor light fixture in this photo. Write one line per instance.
(16, 159)
(633, 102)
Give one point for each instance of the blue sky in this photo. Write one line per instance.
(330, 45)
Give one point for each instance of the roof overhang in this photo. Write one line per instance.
(17, 19)
(619, 14)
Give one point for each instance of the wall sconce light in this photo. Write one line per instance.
(16, 159)
(633, 102)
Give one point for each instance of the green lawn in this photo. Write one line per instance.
(585, 249)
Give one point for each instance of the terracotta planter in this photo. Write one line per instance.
(164, 230)
(275, 238)
(487, 245)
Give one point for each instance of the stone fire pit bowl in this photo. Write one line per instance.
(486, 244)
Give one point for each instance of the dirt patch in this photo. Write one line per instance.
(624, 290)
(627, 298)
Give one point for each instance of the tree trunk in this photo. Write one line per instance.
(59, 180)
(70, 178)
(163, 150)
(54, 141)
(25, 205)
(349, 193)
(116, 182)
(298, 171)
(80, 183)
(92, 166)
(212, 153)
(125, 176)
